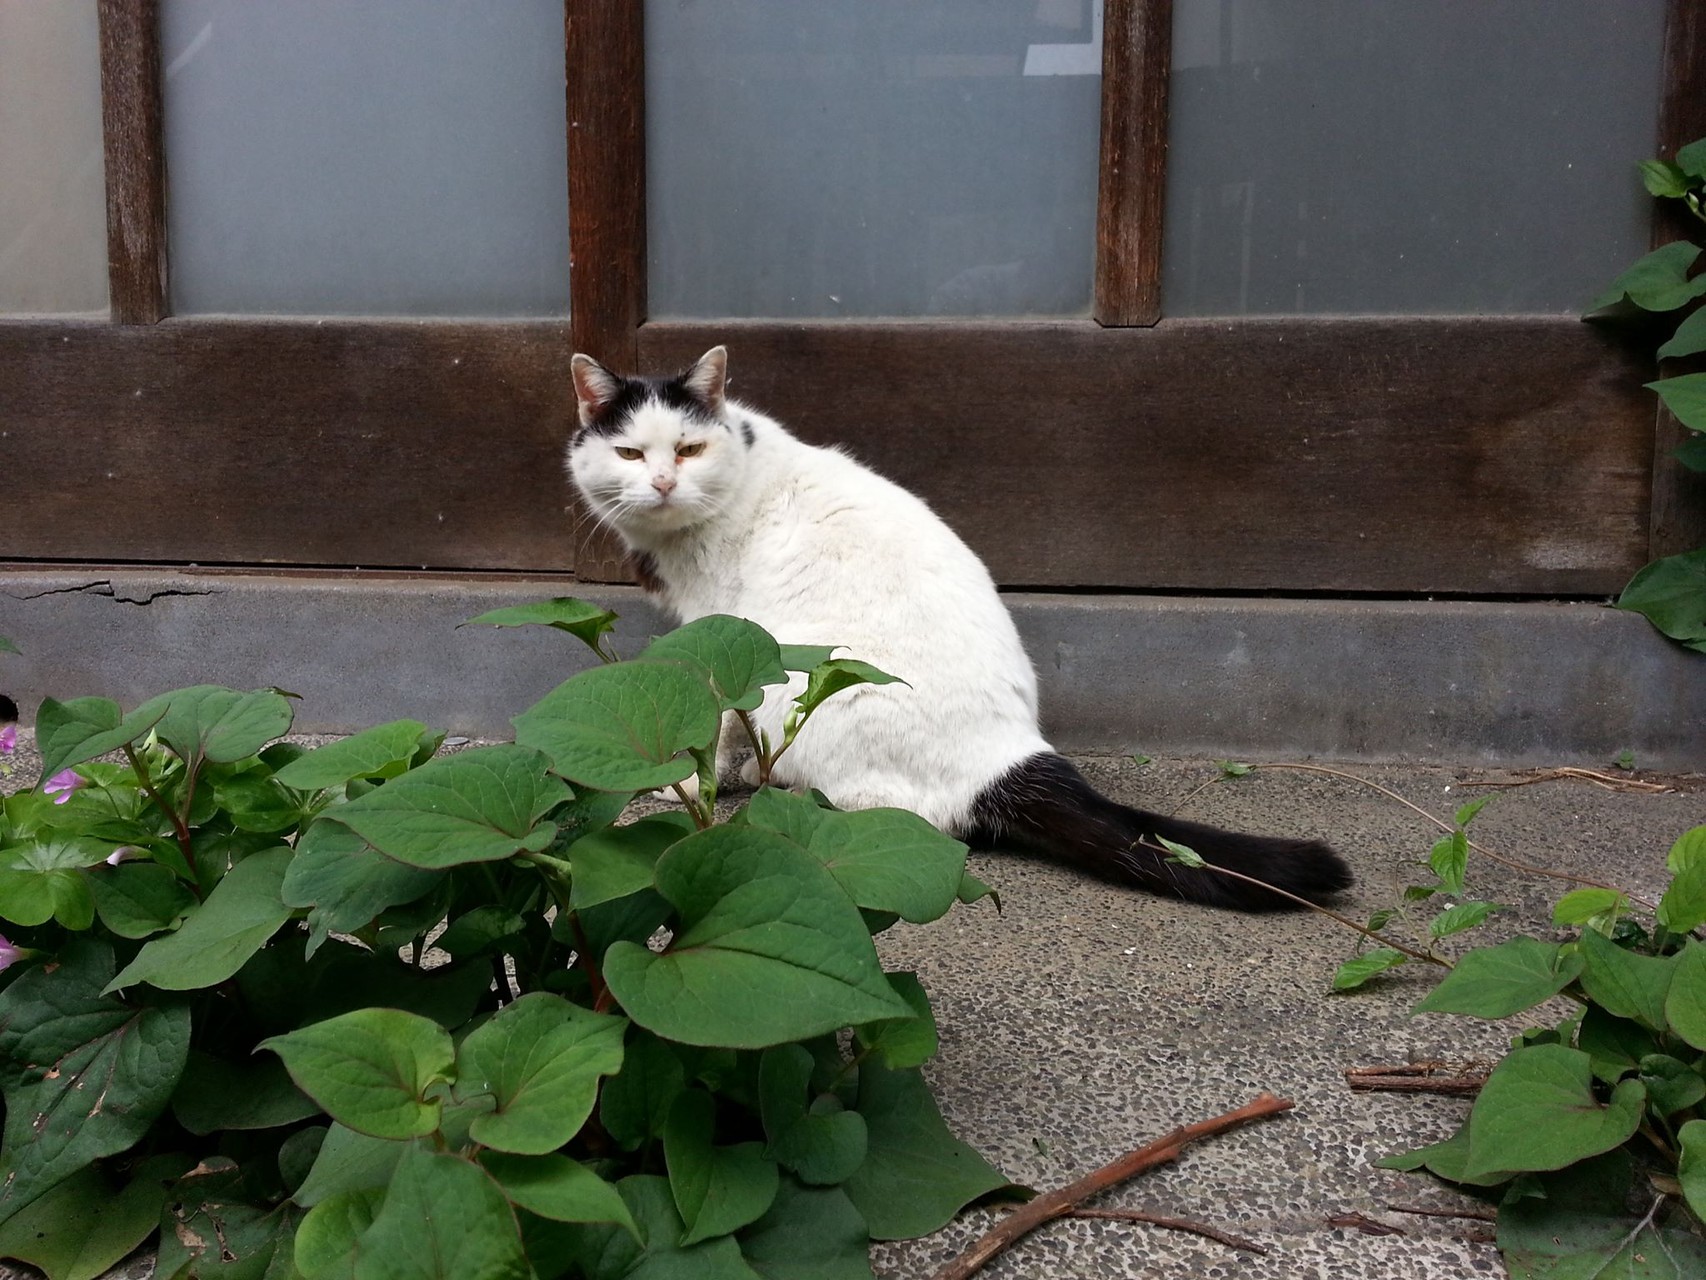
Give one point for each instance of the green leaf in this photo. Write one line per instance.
(328, 1239)
(371, 1069)
(785, 813)
(69, 733)
(349, 1162)
(254, 801)
(634, 1104)
(1683, 906)
(902, 1042)
(80, 1229)
(917, 1175)
(481, 805)
(215, 1095)
(1466, 812)
(1671, 593)
(1690, 848)
(1234, 769)
(1448, 1159)
(735, 657)
(1691, 1169)
(810, 1233)
(1181, 853)
(1579, 1228)
(1691, 158)
(220, 725)
(1685, 397)
(1662, 178)
(623, 728)
(609, 1253)
(1464, 915)
(540, 1058)
(1449, 860)
(804, 657)
(1692, 451)
(556, 1187)
(1495, 982)
(717, 1189)
(1689, 339)
(84, 1076)
(444, 1218)
(810, 1135)
(1537, 1111)
(380, 752)
(1625, 984)
(829, 678)
(1581, 905)
(346, 882)
(1656, 282)
(210, 1229)
(1615, 1046)
(585, 621)
(6, 646)
(136, 899)
(891, 860)
(44, 880)
(1685, 1005)
(1354, 972)
(241, 913)
(1672, 1084)
(974, 890)
(770, 948)
(617, 861)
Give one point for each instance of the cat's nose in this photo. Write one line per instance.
(663, 484)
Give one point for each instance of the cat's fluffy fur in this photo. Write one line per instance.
(729, 513)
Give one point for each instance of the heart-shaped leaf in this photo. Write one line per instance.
(735, 657)
(625, 727)
(371, 1069)
(617, 861)
(1685, 1004)
(69, 733)
(770, 948)
(347, 882)
(215, 1095)
(481, 805)
(1495, 982)
(581, 619)
(822, 1146)
(84, 1076)
(349, 1162)
(891, 860)
(1658, 281)
(540, 1058)
(1625, 984)
(558, 1188)
(810, 1233)
(1685, 397)
(328, 1241)
(634, 1105)
(1356, 971)
(902, 1042)
(241, 913)
(1691, 1169)
(444, 1218)
(717, 1189)
(1537, 1111)
(379, 752)
(834, 675)
(213, 723)
(80, 1229)
(1671, 594)
(610, 1253)
(138, 899)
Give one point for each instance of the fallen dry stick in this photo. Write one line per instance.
(1055, 1204)
(1417, 1077)
(1476, 1215)
(1605, 780)
(1172, 1224)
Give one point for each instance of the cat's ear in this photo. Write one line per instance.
(706, 380)
(595, 387)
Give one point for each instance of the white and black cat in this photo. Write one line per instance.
(729, 513)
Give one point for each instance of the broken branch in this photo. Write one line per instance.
(1055, 1204)
(1172, 1224)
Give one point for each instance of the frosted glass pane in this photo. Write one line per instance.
(53, 191)
(387, 157)
(871, 157)
(1419, 156)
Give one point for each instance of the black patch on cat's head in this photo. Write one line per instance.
(607, 400)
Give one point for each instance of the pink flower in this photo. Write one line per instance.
(8, 740)
(124, 853)
(9, 955)
(62, 784)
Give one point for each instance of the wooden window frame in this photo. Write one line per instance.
(1476, 456)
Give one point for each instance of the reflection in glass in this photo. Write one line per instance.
(53, 191)
(387, 157)
(1419, 156)
(871, 157)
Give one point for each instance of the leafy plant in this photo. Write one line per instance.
(372, 1011)
(1671, 591)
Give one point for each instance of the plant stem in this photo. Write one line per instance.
(694, 809)
(764, 762)
(1316, 907)
(179, 827)
(583, 953)
(1054, 1204)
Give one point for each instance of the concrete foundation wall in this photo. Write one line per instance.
(1457, 682)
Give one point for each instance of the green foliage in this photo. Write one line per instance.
(1671, 592)
(450, 1016)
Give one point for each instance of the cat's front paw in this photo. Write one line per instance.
(689, 784)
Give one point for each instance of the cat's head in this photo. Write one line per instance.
(655, 455)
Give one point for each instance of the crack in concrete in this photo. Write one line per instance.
(104, 587)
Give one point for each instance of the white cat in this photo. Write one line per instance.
(729, 513)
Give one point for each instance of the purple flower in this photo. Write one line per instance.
(8, 740)
(9, 955)
(124, 853)
(62, 784)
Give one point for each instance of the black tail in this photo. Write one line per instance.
(1043, 805)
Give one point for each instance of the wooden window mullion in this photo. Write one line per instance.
(1136, 57)
(135, 160)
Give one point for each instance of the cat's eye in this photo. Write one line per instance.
(629, 455)
(690, 450)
